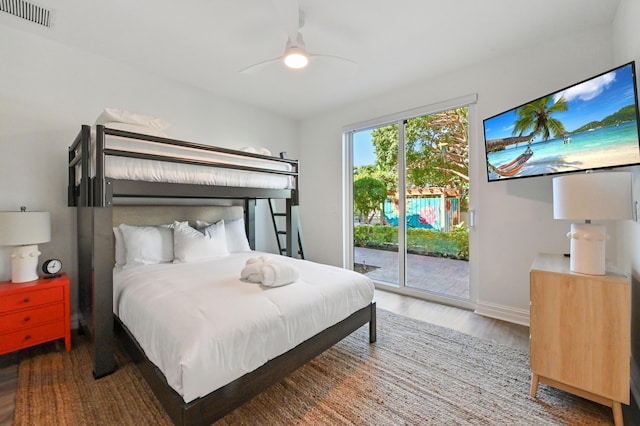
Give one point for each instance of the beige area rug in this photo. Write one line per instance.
(416, 374)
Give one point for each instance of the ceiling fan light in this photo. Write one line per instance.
(296, 58)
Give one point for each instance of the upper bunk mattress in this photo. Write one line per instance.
(203, 327)
(174, 172)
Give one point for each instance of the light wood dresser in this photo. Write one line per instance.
(580, 332)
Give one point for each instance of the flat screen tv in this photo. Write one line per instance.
(587, 126)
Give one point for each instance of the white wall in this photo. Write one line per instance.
(626, 40)
(514, 219)
(48, 90)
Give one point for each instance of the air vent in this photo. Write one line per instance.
(28, 11)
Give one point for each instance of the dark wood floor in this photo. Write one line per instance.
(458, 319)
(8, 385)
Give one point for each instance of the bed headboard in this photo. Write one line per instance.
(159, 215)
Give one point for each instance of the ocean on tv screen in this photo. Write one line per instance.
(592, 149)
(589, 125)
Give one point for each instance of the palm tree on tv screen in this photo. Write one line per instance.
(536, 117)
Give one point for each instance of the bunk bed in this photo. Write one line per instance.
(105, 196)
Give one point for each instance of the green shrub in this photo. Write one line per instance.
(368, 196)
(454, 244)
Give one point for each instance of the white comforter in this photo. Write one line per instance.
(204, 327)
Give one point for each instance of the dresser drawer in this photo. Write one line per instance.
(34, 312)
(25, 300)
(31, 317)
(31, 336)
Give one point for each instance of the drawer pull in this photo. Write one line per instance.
(26, 300)
(27, 337)
(27, 319)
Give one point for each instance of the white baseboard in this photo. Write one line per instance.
(505, 313)
(635, 381)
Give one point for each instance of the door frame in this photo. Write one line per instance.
(475, 152)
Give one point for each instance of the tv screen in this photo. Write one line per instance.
(589, 125)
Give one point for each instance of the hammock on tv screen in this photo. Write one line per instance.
(513, 168)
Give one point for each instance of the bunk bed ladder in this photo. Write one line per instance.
(281, 234)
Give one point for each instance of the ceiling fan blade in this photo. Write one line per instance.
(340, 58)
(251, 69)
(292, 19)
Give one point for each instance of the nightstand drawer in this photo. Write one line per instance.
(31, 336)
(34, 312)
(31, 317)
(25, 300)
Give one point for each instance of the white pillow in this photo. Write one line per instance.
(264, 151)
(252, 150)
(123, 116)
(235, 234)
(191, 245)
(135, 128)
(121, 254)
(147, 245)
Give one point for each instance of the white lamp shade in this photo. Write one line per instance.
(593, 196)
(24, 228)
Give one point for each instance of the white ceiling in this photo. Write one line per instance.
(205, 43)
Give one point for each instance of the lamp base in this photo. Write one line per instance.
(587, 248)
(24, 263)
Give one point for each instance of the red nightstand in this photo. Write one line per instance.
(34, 312)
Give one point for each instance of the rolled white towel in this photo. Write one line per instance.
(259, 260)
(252, 272)
(275, 274)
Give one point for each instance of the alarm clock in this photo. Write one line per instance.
(52, 267)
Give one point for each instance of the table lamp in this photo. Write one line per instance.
(591, 196)
(25, 230)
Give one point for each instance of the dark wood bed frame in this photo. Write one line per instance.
(94, 198)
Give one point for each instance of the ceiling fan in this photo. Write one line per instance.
(295, 54)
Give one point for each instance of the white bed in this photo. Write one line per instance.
(282, 328)
(203, 327)
(174, 172)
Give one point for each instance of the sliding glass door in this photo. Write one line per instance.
(436, 194)
(410, 201)
(375, 172)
